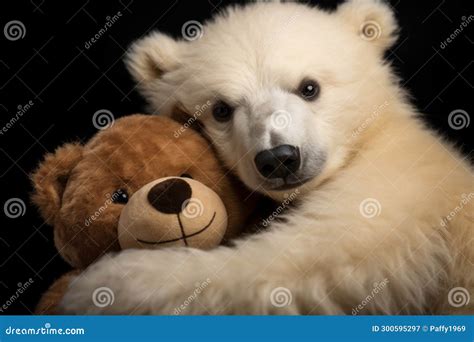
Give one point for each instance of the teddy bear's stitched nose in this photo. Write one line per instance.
(168, 196)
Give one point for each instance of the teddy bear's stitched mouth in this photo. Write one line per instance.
(183, 237)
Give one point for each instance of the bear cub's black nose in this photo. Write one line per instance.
(169, 196)
(278, 162)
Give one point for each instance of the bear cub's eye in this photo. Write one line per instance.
(309, 89)
(120, 196)
(222, 112)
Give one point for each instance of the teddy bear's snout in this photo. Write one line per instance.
(173, 211)
(170, 196)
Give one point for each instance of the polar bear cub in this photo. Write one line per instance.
(304, 102)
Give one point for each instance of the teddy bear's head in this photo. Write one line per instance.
(82, 190)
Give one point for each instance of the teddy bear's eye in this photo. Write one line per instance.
(309, 89)
(222, 112)
(186, 175)
(120, 196)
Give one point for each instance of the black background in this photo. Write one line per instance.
(68, 83)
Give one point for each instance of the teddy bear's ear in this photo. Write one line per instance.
(152, 56)
(372, 20)
(50, 179)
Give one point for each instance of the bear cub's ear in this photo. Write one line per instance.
(372, 20)
(152, 56)
(50, 179)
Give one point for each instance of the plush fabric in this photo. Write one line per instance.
(74, 187)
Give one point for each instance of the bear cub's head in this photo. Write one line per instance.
(289, 88)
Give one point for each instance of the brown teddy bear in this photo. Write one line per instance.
(136, 184)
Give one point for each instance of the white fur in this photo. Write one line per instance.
(327, 254)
